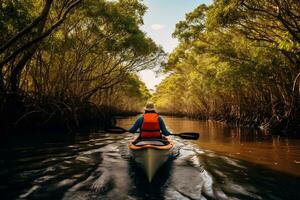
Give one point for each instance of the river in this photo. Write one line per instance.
(225, 163)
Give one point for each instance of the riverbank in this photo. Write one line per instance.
(28, 115)
(271, 125)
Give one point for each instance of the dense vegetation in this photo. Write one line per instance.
(237, 61)
(67, 64)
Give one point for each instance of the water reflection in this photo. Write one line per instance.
(99, 166)
(245, 180)
(276, 152)
(142, 188)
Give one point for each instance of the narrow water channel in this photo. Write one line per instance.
(225, 163)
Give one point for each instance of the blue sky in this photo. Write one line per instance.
(159, 24)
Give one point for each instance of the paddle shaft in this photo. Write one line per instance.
(185, 135)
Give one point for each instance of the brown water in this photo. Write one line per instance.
(225, 163)
(275, 152)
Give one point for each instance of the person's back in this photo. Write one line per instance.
(151, 125)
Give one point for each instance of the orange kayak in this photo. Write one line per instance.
(151, 154)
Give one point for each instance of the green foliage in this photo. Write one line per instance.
(132, 95)
(14, 14)
(91, 55)
(236, 61)
(193, 25)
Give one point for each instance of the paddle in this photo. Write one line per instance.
(184, 135)
(188, 135)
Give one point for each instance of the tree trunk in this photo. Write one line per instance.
(16, 72)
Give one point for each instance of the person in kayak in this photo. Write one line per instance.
(151, 125)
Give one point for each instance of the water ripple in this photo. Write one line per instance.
(101, 167)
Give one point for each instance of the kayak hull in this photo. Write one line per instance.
(151, 157)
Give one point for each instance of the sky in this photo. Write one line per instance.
(159, 24)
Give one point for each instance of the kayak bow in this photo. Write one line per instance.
(151, 154)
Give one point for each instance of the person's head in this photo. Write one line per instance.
(149, 107)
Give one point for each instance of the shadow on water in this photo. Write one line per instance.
(143, 189)
(99, 166)
(238, 179)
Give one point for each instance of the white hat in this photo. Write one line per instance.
(150, 106)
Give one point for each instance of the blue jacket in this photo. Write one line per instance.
(138, 124)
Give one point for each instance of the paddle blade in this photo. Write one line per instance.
(116, 130)
(189, 135)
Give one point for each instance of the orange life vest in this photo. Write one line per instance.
(150, 126)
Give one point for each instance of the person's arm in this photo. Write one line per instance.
(136, 125)
(163, 127)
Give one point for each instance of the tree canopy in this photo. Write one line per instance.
(73, 52)
(236, 61)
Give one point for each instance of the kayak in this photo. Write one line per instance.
(151, 154)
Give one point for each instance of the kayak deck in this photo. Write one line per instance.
(151, 154)
(162, 144)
